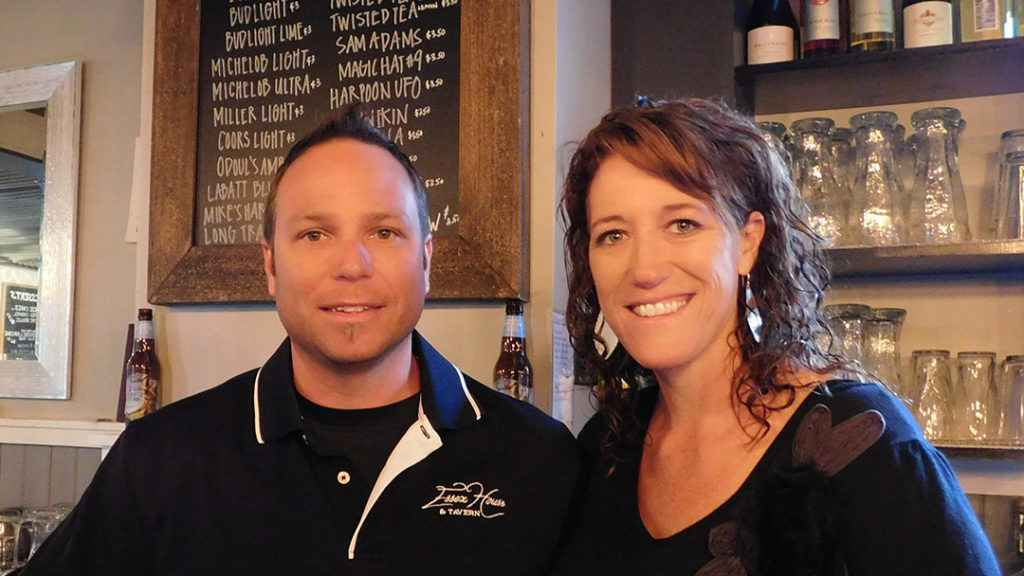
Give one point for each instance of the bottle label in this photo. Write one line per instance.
(986, 15)
(515, 388)
(821, 20)
(514, 327)
(135, 395)
(872, 16)
(144, 330)
(927, 24)
(769, 44)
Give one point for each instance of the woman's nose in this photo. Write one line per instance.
(649, 266)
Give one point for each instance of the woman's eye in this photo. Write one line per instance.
(609, 237)
(683, 226)
(313, 235)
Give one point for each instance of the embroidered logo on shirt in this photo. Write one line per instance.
(467, 499)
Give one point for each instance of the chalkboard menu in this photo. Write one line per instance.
(272, 70)
(19, 326)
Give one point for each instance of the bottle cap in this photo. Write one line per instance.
(145, 313)
(514, 307)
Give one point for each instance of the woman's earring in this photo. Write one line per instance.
(754, 320)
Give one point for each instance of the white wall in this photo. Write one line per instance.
(200, 346)
(583, 96)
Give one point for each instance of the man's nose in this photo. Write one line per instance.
(353, 260)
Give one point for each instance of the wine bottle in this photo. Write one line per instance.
(773, 34)
(142, 381)
(821, 30)
(513, 374)
(873, 26)
(927, 23)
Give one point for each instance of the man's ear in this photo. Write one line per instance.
(751, 236)
(268, 266)
(428, 252)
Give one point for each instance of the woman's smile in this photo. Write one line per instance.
(659, 308)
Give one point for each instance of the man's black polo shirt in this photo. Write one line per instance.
(223, 483)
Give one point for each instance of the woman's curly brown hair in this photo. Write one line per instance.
(701, 145)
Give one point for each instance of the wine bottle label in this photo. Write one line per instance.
(927, 24)
(769, 44)
(821, 20)
(872, 16)
(985, 20)
(986, 15)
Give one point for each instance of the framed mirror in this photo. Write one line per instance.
(40, 114)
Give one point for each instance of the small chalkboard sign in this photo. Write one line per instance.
(19, 326)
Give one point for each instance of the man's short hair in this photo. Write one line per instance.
(348, 123)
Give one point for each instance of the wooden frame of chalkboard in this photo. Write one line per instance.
(486, 260)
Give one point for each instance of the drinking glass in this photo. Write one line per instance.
(8, 540)
(1012, 397)
(1006, 207)
(1010, 190)
(847, 324)
(977, 372)
(44, 522)
(815, 177)
(933, 384)
(882, 346)
(31, 527)
(876, 214)
(779, 137)
(938, 206)
(843, 156)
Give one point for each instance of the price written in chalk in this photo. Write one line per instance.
(436, 33)
(414, 134)
(435, 56)
(431, 84)
(421, 111)
(447, 3)
(433, 182)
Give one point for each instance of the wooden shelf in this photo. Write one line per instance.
(883, 78)
(965, 258)
(1004, 451)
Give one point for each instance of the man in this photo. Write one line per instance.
(357, 448)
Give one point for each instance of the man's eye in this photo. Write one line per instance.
(385, 234)
(314, 235)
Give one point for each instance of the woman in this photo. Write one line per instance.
(725, 443)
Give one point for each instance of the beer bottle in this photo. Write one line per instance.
(512, 372)
(142, 374)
